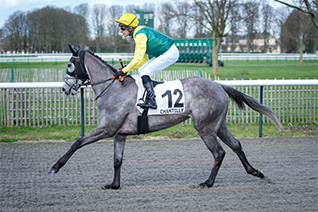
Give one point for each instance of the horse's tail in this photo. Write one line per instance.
(241, 98)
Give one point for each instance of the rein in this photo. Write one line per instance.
(103, 91)
(83, 68)
(121, 79)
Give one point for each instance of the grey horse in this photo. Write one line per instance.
(206, 103)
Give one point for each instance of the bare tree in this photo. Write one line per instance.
(167, 14)
(234, 25)
(84, 11)
(197, 22)
(250, 14)
(131, 8)
(182, 14)
(267, 16)
(99, 23)
(149, 6)
(307, 7)
(114, 12)
(216, 14)
(16, 32)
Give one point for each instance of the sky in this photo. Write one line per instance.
(8, 7)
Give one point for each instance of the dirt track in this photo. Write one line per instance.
(160, 176)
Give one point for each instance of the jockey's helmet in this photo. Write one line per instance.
(128, 20)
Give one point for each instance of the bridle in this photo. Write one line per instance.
(80, 73)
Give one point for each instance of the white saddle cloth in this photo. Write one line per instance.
(169, 97)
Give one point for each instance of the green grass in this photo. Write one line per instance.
(72, 133)
(232, 69)
(258, 70)
(34, 65)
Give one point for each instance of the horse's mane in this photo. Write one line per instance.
(101, 60)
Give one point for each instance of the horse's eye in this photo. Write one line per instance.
(70, 67)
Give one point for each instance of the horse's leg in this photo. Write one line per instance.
(93, 136)
(210, 140)
(226, 136)
(119, 145)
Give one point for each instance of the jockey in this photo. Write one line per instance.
(149, 43)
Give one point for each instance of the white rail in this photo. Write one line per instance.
(63, 57)
(44, 103)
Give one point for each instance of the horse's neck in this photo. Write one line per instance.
(97, 71)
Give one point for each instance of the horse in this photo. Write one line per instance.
(206, 103)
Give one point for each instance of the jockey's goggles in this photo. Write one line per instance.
(123, 27)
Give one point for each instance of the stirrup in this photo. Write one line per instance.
(147, 105)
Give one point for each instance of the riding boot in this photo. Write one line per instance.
(150, 101)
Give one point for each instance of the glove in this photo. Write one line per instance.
(119, 73)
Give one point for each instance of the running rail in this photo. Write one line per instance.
(260, 83)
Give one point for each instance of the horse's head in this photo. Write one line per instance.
(76, 73)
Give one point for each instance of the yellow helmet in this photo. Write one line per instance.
(128, 20)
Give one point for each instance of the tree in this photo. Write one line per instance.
(267, 16)
(234, 25)
(310, 8)
(298, 27)
(51, 29)
(216, 14)
(200, 30)
(83, 10)
(167, 12)
(250, 14)
(99, 24)
(16, 32)
(44, 30)
(112, 26)
(183, 10)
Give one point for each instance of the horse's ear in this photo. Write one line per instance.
(79, 48)
(72, 50)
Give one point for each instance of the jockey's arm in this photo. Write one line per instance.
(140, 56)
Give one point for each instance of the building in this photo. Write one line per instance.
(239, 44)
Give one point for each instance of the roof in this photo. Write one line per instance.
(142, 11)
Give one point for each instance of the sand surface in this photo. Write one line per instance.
(160, 176)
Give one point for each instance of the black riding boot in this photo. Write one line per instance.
(150, 101)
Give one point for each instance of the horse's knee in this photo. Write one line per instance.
(117, 162)
(219, 156)
(222, 154)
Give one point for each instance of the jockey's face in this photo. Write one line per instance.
(124, 31)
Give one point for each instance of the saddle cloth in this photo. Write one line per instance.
(169, 97)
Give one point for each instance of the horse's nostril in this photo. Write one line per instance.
(63, 89)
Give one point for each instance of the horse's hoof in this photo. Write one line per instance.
(259, 174)
(256, 173)
(205, 185)
(52, 171)
(106, 187)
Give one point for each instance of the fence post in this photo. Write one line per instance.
(82, 113)
(11, 80)
(260, 134)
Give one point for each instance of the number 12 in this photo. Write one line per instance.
(177, 103)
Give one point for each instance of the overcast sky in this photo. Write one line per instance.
(8, 7)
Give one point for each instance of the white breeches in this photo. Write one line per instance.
(156, 64)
